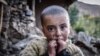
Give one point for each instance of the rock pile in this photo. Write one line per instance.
(18, 28)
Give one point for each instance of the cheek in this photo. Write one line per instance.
(66, 34)
(49, 35)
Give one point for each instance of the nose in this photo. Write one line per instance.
(58, 32)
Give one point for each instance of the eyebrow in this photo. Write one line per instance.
(50, 26)
(64, 24)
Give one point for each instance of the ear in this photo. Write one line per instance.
(70, 28)
(69, 31)
(42, 30)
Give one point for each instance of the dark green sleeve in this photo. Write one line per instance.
(63, 53)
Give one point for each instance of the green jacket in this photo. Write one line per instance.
(38, 47)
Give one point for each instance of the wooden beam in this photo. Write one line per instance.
(1, 17)
(3, 2)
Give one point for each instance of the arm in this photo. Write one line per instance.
(75, 51)
(78, 52)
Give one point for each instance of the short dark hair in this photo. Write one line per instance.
(53, 10)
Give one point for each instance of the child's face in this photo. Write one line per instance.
(56, 27)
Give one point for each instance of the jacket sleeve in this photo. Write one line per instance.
(76, 51)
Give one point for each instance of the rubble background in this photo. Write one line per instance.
(18, 27)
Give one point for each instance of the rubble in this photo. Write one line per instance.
(18, 28)
(88, 44)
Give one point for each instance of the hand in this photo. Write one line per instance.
(52, 48)
(61, 45)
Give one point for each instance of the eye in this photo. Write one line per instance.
(62, 27)
(51, 29)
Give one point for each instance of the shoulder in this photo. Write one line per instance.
(73, 49)
(38, 41)
(35, 47)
